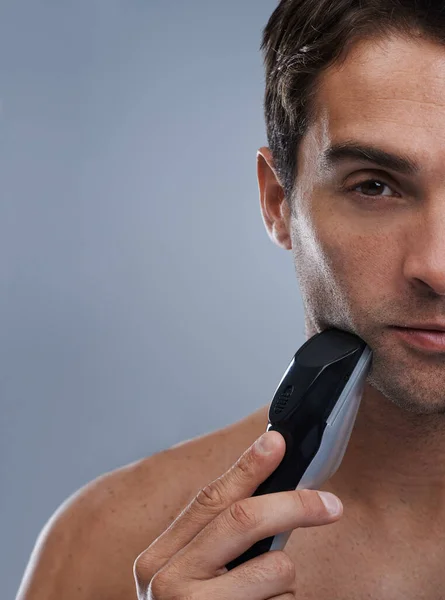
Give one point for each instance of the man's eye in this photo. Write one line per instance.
(373, 186)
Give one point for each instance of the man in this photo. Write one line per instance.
(354, 184)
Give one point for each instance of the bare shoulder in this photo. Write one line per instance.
(87, 548)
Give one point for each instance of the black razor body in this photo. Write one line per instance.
(314, 408)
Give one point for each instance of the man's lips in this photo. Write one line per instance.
(426, 326)
(427, 339)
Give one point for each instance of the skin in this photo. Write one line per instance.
(364, 263)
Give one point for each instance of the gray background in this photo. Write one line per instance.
(142, 302)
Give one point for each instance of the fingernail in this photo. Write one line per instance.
(332, 503)
(264, 444)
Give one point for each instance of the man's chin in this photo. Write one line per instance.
(409, 384)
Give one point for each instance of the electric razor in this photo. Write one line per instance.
(314, 408)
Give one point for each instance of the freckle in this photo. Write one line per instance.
(165, 506)
(144, 505)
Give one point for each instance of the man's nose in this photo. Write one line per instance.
(425, 258)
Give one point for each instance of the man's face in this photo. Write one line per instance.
(374, 257)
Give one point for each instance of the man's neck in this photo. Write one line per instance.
(394, 465)
(393, 470)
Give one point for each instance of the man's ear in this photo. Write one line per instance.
(274, 207)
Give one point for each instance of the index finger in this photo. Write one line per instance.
(240, 481)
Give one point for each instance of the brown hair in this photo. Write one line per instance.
(304, 37)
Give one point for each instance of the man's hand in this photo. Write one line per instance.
(188, 559)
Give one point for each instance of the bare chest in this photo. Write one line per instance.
(333, 563)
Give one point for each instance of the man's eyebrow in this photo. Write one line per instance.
(351, 150)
